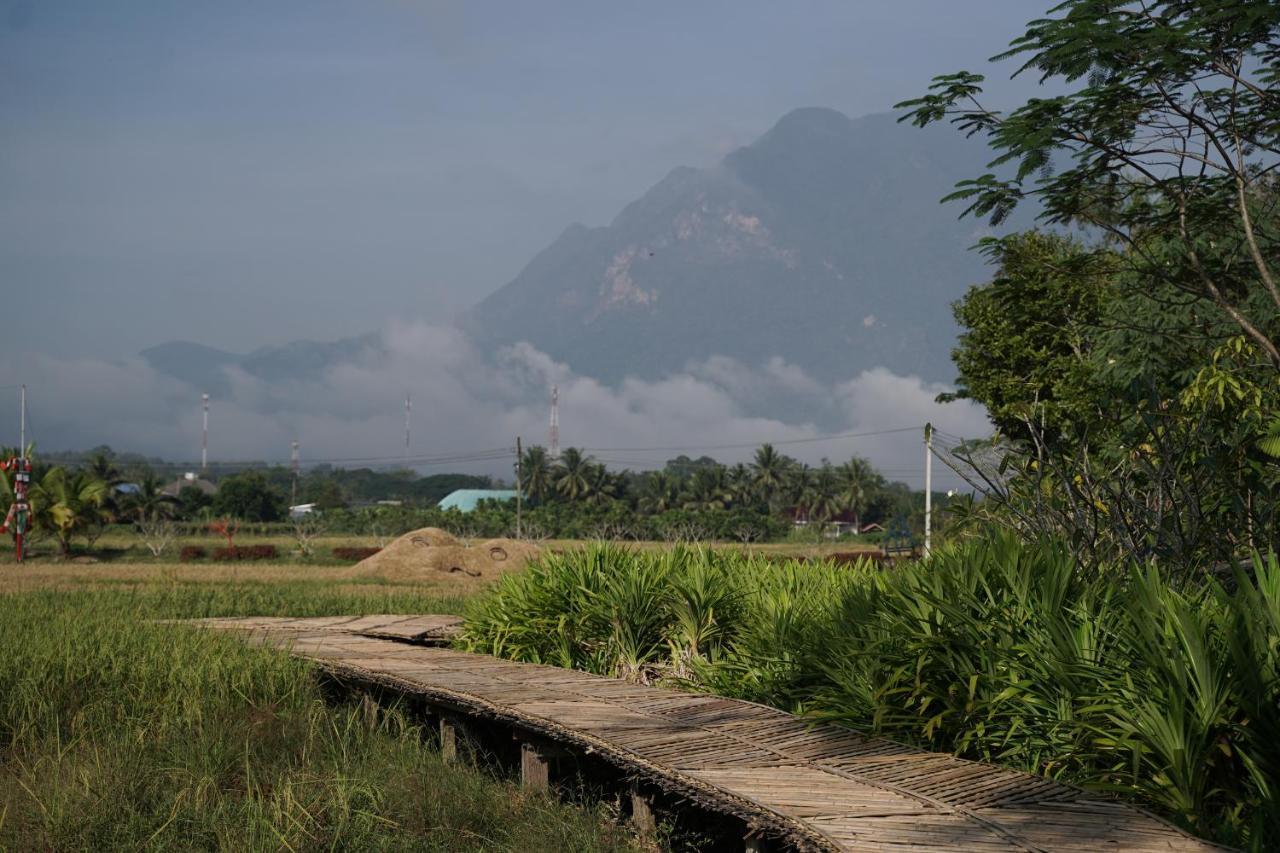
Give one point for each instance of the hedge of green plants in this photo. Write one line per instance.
(994, 650)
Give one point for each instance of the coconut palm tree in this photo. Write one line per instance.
(573, 474)
(859, 483)
(536, 474)
(769, 473)
(66, 503)
(149, 500)
(708, 488)
(661, 492)
(820, 496)
(741, 488)
(603, 487)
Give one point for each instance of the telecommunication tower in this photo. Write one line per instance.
(553, 434)
(204, 434)
(408, 414)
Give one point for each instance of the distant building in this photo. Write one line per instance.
(188, 479)
(302, 510)
(128, 489)
(465, 500)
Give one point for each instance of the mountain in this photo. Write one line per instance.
(823, 242)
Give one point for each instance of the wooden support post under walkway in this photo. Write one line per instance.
(643, 820)
(794, 783)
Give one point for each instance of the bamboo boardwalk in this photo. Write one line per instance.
(802, 785)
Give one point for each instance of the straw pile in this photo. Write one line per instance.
(432, 552)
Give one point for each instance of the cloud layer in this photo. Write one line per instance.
(464, 401)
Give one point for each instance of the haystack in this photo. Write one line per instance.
(430, 553)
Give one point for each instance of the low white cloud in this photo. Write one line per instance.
(464, 400)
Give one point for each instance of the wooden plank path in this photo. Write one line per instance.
(809, 786)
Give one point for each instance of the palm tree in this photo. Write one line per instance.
(661, 492)
(708, 488)
(602, 487)
(858, 484)
(572, 476)
(741, 487)
(536, 474)
(820, 495)
(150, 499)
(769, 473)
(66, 503)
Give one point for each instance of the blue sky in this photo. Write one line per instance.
(246, 173)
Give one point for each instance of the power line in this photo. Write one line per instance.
(750, 444)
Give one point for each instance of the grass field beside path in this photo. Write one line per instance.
(119, 733)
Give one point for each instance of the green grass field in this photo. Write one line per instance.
(120, 733)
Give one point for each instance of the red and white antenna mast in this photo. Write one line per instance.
(553, 434)
(204, 434)
(408, 415)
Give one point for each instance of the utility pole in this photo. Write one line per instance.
(519, 487)
(204, 435)
(293, 462)
(22, 423)
(928, 488)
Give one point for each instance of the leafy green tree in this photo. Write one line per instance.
(249, 497)
(1026, 351)
(149, 500)
(660, 492)
(536, 474)
(66, 503)
(707, 489)
(192, 501)
(573, 480)
(1166, 134)
(857, 484)
(769, 471)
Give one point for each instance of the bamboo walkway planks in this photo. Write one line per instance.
(816, 786)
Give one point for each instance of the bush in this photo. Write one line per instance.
(354, 554)
(190, 553)
(993, 650)
(245, 552)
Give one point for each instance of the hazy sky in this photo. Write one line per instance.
(244, 173)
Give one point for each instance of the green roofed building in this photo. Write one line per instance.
(465, 500)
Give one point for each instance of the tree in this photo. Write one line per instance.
(857, 483)
(707, 489)
(1165, 138)
(192, 501)
(249, 497)
(820, 494)
(149, 501)
(1029, 336)
(769, 473)
(572, 476)
(661, 492)
(536, 474)
(67, 503)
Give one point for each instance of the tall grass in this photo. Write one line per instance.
(117, 733)
(994, 650)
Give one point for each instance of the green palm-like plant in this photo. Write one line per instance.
(858, 484)
(537, 474)
(661, 492)
(769, 472)
(65, 503)
(707, 489)
(149, 500)
(573, 477)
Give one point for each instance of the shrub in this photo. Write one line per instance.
(189, 553)
(353, 553)
(245, 552)
(994, 650)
